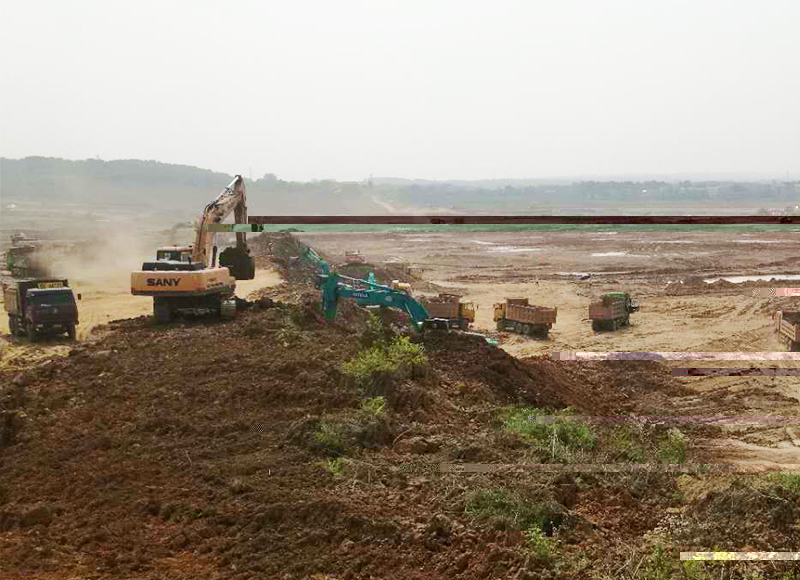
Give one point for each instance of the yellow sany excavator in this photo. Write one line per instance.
(190, 279)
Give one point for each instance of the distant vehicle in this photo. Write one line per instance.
(787, 325)
(517, 315)
(450, 307)
(612, 311)
(40, 306)
(354, 257)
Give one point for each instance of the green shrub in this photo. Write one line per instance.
(539, 544)
(625, 441)
(672, 449)
(374, 334)
(554, 437)
(329, 437)
(659, 565)
(336, 466)
(506, 510)
(398, 357)
(374, 406)
(790, 481)
(405, 353)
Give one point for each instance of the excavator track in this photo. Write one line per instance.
(227, 309)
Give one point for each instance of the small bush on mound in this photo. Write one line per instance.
(506, 510)
(374, 406)
(372, 369)
(336, 466)
(673, 448)
(330, 438)
(556, 435)
(375, 334)
(539, 544)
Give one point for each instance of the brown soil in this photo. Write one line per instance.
(194, 450)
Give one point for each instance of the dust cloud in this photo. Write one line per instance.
(108, 257)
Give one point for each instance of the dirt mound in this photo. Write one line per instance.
(610, 387)
(280, 247)
(490, 374)
(159, 443)
(695, 285)
(758, 519)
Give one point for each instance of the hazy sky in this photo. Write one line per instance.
(429, 89)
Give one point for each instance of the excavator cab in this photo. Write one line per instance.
(239, 262)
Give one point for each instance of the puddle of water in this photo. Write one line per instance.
(666, 242)
(509, 249)
(608, 254)
(759, 241)
(767, 278)
(484, 243)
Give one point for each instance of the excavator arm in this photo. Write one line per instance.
(238, 259)
(333, 289)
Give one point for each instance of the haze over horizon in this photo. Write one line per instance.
(440, 91)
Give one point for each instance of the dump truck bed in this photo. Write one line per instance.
(787, 324)
(607, 309)
(441, 309)
(530, 314)
(448, 306)
(599, 312)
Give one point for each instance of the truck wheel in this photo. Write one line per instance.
(227, 309)
(32, 333)
(162, 313)
(595, 325)
(518, 327)
(526, 329)
(71, 331)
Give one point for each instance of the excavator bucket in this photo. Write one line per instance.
(241, 264)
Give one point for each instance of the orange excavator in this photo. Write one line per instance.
(193, 279)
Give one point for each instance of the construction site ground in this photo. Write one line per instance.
(243, 450)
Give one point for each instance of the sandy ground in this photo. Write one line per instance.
(488, 268)
(102, 300)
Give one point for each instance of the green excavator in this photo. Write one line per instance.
(370, 293)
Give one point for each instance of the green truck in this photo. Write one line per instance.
(612, 311)
(40, 306)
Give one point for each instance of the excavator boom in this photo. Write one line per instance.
(238, 260)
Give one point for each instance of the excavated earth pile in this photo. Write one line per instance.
(281, 247)
(246, 450)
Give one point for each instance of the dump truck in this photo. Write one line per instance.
(612, 311)
(450, 307)
(40, 306)
(787, 325)
(518, 315)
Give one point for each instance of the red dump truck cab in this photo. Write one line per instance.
(40, 306)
